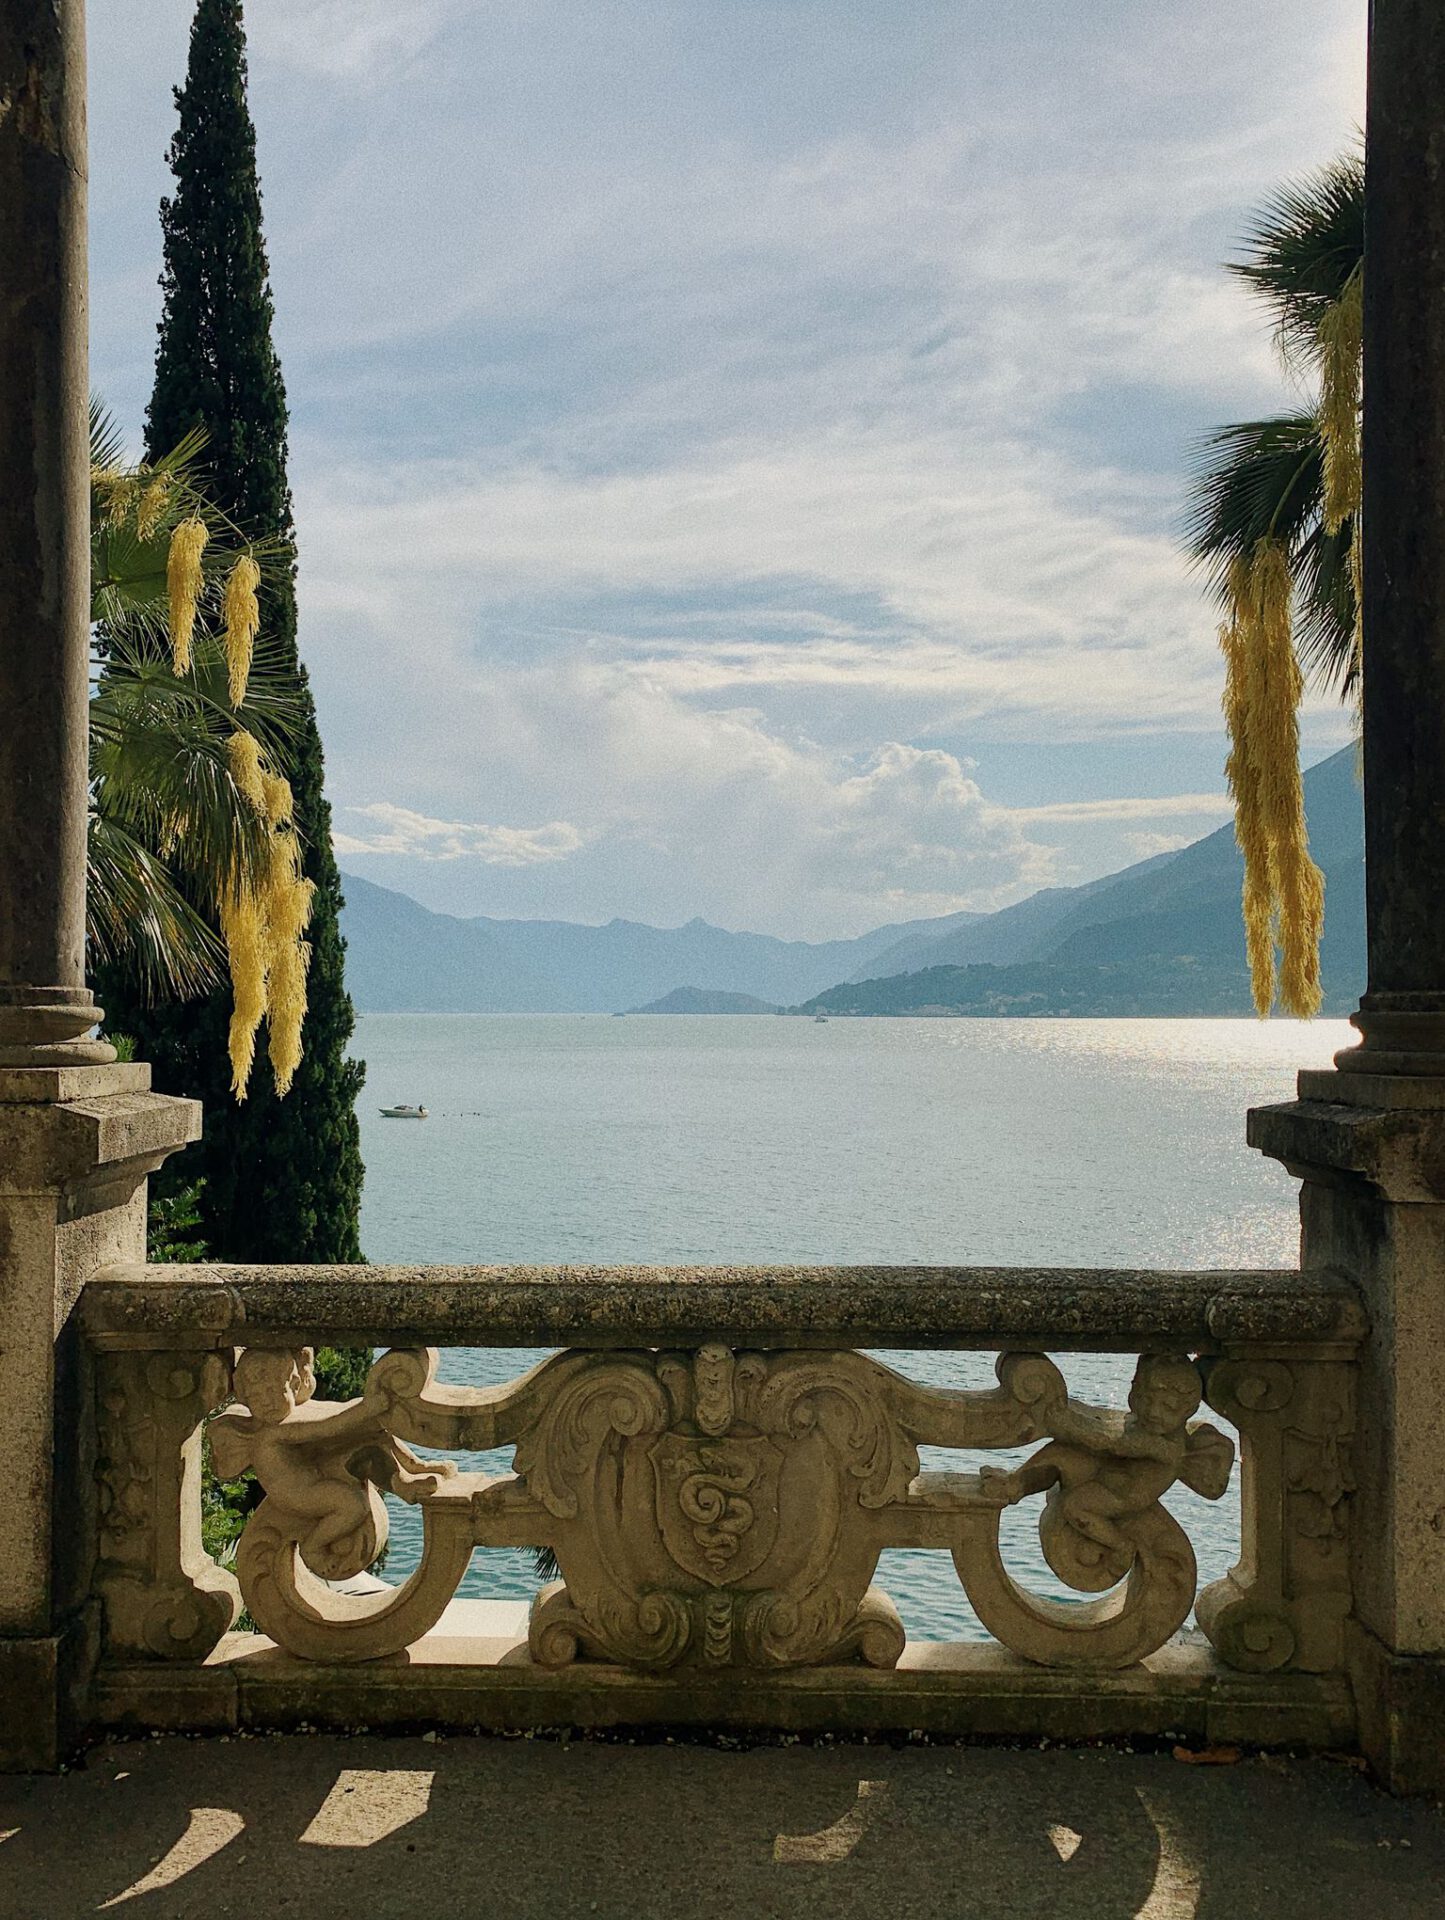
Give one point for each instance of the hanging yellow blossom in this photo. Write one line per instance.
(245, 932)
(1341, 337)
(151, 506)
(1283, 888)
(185, 579)
(248, 768)
(265, 923)
(277, 803)
(288, 913)
(115, 490)
(1258, 897)
(243, 622)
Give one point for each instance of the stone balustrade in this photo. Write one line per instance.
(716, 1469)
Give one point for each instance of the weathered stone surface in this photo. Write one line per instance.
(1403, 1013)
(1287, 1602)
(637, 1832)
(953, 1689)
(162, 1595)
(26, 1086)
(1372, 1205)
(1094, 1309)
(1401, 1705)
(72, 1198)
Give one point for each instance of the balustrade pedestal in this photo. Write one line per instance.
(76, 1144)
(1372, 1206)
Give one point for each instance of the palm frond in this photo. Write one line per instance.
(1257, 480)
(1325, 609)
(107, 442)
(1263, 480)
(160, 769)
(138, 918)
(1304, 248)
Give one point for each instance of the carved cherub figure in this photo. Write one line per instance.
(1103, 1469)
(319, 1460)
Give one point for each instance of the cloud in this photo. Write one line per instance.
(346, 41)
(679, 808)
(400, 831)
(701, 416)
(1144, 846)
(1203, 806)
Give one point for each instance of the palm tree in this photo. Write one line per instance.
(190, 827)
(1273, 524)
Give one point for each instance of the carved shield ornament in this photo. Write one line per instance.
(717, 1503)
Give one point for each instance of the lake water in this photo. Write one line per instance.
(739, 1139)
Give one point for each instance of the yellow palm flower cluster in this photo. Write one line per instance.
(264, 923)
(1284, 891)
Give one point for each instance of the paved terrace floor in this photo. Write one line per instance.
(367, 1828)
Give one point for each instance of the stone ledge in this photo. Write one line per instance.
(1397, 1152)
(30, 1086)
(1090, 1309)
(46, 1147)
(950, 1689)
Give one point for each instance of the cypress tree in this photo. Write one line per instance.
(282, 1177)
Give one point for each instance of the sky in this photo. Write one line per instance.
(739, 445)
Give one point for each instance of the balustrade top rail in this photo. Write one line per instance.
(1098, 1309)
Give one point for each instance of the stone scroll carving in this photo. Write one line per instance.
(162, 1595)
(718, 1508)
(1285, 1604)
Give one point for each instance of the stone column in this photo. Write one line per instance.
(1402, 1016)
(1368, 1138)
(77, 1133)
(45, 1011)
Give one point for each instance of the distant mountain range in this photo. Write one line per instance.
(402, 958)
(1160, 937)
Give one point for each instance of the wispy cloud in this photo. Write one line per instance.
(397, 830)
(1172, 806)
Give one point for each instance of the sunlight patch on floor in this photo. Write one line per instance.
(839, 1840)
(209, 1829)
(367, 1805)
(1175, 1892)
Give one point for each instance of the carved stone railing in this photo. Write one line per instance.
(714, 1467)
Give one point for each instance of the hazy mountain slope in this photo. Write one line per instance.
(1144, 934)
(403, 958)
(1182, 902)
(704, 1000)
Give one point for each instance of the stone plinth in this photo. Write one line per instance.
(76, 1144)
(1372, 1206)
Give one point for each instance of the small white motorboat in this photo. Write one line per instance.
(820, 1019)
(403, 1113)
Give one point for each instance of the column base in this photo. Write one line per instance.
(1402, 1039)
(51, 1027)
